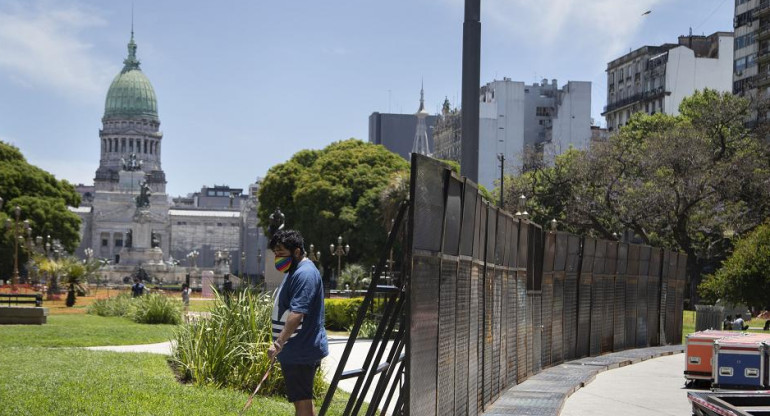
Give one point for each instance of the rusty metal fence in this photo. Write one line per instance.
(493, 299)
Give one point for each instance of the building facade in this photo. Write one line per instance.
(127, 216)
(520, 122)
(655, 79)
(396, 131)
(751, 66)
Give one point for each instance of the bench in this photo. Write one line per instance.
(10, 314)
(18, 298)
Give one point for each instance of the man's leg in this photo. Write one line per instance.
(304, 408)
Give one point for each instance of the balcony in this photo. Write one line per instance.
(644, 96)
(763, 9)
(763, 32)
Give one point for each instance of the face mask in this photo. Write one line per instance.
(282, 264)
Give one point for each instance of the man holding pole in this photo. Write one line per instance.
(299, 337)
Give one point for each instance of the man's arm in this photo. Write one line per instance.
(292, 322)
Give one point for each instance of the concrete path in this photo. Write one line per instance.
(652, 387)
(545, 393)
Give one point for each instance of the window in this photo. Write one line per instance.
(118, 242)
(745, 62)
(105, 242)
(745, 40)
(544, 111)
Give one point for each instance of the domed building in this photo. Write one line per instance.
(130, 126)
(128, 218)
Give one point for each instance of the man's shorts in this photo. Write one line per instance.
(299, 380)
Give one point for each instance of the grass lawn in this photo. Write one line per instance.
(82, 331)
(688, 323)
(39, 381)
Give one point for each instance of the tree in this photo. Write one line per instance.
(334, 192)
(355, 277)
(43, 201)
(681, 182)
(745, 276)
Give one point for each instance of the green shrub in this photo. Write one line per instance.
(341, 312)
(229, 349)
(368, 329)
(155, 308)
(152, 308)
(114, 306)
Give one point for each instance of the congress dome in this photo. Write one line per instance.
(131, 95)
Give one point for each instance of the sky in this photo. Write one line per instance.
(243, 85)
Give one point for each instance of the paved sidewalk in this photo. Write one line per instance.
(653, 387)
(546, 392)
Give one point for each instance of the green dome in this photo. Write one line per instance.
(131, 94)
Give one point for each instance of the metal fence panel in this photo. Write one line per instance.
(670, 287)
(632, 273)
(547, 297)
(608, 290)
(489, 278)
(708, 317)
(462, 342)
(681, 276)
(570, 324)
(524, 340)
(642, 315)
(423, 334)
(598, 298)
(447, 336)
(428, 204)
(557, 298)
(470, 195)
(584, 299)
(463, 312)
(496, 334)
(619, 300)
(475, 372)
(513, 307)
(521, 322)
(653, 295)
(426, 217)
(537, 332)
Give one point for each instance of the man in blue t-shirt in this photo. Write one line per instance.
(299, 337)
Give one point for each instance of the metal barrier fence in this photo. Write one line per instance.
(709, 317)
(494, 299)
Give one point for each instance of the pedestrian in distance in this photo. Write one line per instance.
(299, 337)
(137, 289)
(738, 324)
(186, 295)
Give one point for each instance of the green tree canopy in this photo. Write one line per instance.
(334, 192)
(674, 181)
(745, 276)
(43, 201)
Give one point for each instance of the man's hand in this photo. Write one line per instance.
(274, 349)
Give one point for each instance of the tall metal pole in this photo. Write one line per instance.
(501, 158)
(469, 158)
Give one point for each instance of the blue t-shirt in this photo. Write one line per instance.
(301, 291)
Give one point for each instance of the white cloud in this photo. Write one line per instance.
(607, 24)
(42, 46)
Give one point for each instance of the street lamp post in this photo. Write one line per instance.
(18, 228)
(339, 251)
(314, 256)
